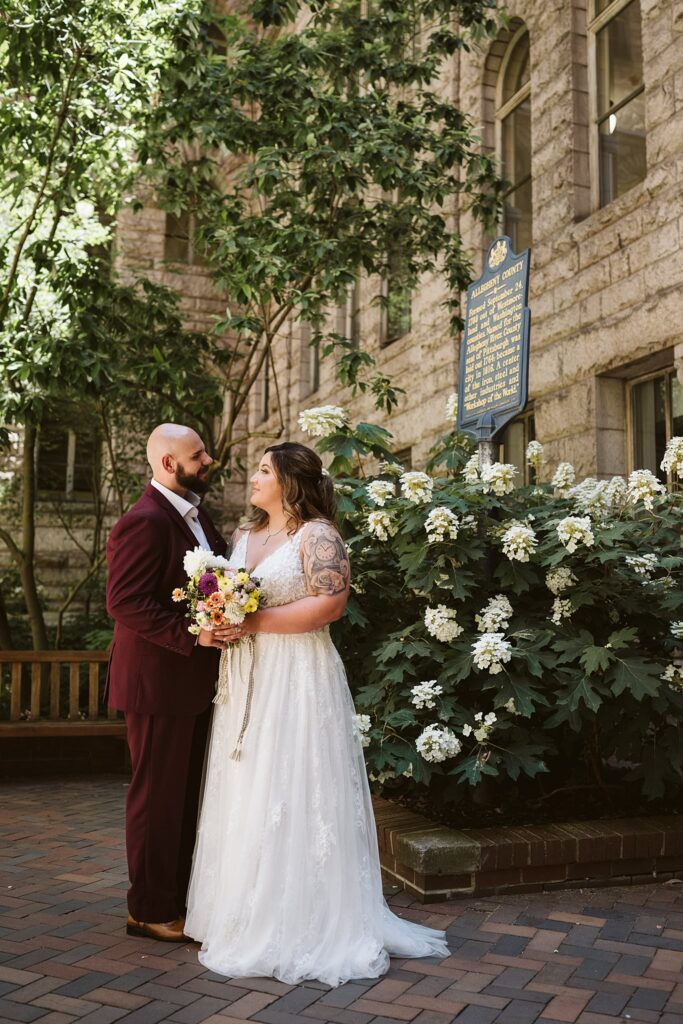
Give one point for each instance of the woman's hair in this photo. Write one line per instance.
(307, 492)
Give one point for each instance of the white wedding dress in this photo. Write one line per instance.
(286, 877)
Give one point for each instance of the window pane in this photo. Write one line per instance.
(53, 449)
(676, 407)
(517, 69)
(516, 128)
(619, 57)
(517, 217)
(649, 425)
(399, 297)
(177, 239)
(622, 150)
(86, 463)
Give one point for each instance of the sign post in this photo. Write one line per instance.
(494, 356)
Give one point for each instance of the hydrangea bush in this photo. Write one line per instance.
(503, 631)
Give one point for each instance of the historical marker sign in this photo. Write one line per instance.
(494, 356)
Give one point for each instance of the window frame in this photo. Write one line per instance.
(194, 258)
(597, 22)
(68, 493)
(504, 109)
(632, 382)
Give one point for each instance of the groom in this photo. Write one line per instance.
(161, 676)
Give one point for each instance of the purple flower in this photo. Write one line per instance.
(208, 584)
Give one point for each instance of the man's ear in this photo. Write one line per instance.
(168, 462)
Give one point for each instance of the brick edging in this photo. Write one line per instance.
(434, 862)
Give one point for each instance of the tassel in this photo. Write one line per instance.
(224, 679)
(237, 752)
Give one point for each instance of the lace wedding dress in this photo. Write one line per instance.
(286, 878)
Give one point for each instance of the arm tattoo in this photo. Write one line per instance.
(325, 560)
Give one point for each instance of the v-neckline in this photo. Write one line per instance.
(263, 561)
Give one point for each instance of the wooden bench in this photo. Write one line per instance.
(55, 693)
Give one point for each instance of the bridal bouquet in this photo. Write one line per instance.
(216, 594)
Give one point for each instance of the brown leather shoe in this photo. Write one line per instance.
(165, 931)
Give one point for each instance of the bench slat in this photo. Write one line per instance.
(93, 689)
(55, 669)
(15, 699)
(36, 674)
(74, 686)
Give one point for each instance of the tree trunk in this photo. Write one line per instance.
(28, 523)
(5, 631)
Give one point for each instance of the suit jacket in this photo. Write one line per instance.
(155, 665)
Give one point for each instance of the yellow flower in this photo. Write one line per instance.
(251, 605)
(242, 577)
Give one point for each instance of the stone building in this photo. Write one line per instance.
(582, 100)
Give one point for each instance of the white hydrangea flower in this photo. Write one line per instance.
(468, 522)
(592, 497)
(379, 491)
(437, 742)
(381, 777)
(677, 629)
(417, 487)
(321, 420)
(452, 406)
(499, 478)
(558, 580)
(423, 694)
(562, 609)
(510, 706)
(519, 542)
(491, 651)
(644, 486)
(485, 724)
(563, 479)
(391, 468)
(534, 454)
(673, 675)
(441, 523)
(575, 530)
(362, 725)
(408, 773)
(441, 623)
(617, 492)
(643, 565)
(673, 457)
(381, 525)
(495, 616)
(470, 470)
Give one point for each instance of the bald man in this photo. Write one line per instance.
(161, 676)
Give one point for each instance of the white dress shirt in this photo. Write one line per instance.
(187, 509)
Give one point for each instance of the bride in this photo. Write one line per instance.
(286, 877)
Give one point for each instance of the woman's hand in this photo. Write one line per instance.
(232, 633)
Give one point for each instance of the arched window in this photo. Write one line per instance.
(513, 119)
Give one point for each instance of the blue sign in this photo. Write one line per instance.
(494, 355)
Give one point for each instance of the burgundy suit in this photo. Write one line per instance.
(164, 683)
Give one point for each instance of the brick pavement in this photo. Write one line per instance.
(594, 956)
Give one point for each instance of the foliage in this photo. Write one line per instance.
(579, 681)
(342, 156)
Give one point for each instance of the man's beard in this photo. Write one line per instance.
(197, 482)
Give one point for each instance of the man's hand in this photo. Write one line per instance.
(209, 639)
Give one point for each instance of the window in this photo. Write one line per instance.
(309, 362)
(405, 457)
(513, 117)
(348, 314)
(656, 415)
(179, 238)
(67, 460)
(516, 437)
(397, 290)
(619, 97)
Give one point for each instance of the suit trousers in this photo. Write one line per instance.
(167, 756)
